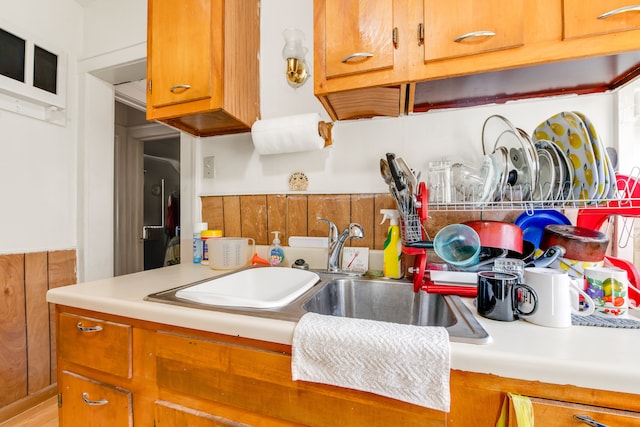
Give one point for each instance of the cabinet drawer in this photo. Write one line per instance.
(95, 343)
(88, 402)
(582, 18)
(172, 415)
(359, 36)
(467, 27)
(557, 413)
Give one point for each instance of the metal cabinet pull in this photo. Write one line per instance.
(356, 55)
(474, 34)
(632, 8)
(420, 34)
(174, 88)
(394, 37)
(85, 398)
(588, 420)
(96, 328)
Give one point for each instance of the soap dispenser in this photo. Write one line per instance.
(392, 254)
(276, 253)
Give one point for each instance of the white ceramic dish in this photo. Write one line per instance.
(568, 131)
(559, 168)
(267, 287)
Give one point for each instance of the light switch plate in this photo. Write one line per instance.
(207, 167)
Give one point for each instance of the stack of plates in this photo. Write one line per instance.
(589, 173)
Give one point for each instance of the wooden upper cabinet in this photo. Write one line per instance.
(584, 18)
(359, 36)
(467, 27)
(202, 65)
(182, 38)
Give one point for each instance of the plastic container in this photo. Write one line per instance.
(198, 227)
(457, 244)
(231, 253)
(392, 254)
(206, 235)
(276, 253)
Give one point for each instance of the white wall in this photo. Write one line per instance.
(37, 158)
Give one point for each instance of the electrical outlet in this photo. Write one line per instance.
(207, 167)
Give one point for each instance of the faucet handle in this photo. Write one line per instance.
(333, 229)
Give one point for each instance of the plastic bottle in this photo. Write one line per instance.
(205, 235)
(197, 241)
(392, 262)
(276, 253)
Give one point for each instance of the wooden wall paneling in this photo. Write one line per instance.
(277, 217)
(297, 214)
(61, 270)
(232, 223)
(254, 218)
(213, 212)
(13, 351)
(38, 320)
(362, 212)
(381, 201)
(334, 207)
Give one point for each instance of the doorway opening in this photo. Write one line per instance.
(146, 192)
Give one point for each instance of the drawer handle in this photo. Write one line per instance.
(364, 55)
(614, 12)
(96, 328)
(588, 420)
(85, 398)
(474, 34)
(175, 88)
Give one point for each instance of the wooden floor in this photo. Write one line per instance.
(43, 415)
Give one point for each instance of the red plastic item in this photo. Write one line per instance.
(628, 205)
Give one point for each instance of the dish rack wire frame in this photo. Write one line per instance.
(592, 214)
(412, 230)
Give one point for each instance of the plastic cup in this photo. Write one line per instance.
(457, 244)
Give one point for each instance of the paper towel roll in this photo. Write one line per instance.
(290, 134)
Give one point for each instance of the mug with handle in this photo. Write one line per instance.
(498, 295)
(558, 297)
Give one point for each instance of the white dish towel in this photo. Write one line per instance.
(404, 362)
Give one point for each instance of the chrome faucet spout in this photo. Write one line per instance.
(336, 243)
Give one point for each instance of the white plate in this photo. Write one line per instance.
(568, 132)
(602, 157)
(546, 182)
(559, 168)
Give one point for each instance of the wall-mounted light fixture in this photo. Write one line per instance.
(294, 53)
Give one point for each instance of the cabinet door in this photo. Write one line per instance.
(88, 403)
(184, 50)
(359, 36)
(172, 415)
(466, 27)
(583, 18)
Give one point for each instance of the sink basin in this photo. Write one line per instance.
(253, 288)
(259, 292)
(397, 303)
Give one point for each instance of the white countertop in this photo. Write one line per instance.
(592, 357)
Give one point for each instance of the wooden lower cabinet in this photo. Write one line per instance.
(89, 403)
(182, 377)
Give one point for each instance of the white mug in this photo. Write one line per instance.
(558, 297)
(609, 288)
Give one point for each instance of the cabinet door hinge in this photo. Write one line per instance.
(394, 37)
(149, 85)
(59, 400)
(420, 34)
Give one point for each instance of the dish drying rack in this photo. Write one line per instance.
(591, 214)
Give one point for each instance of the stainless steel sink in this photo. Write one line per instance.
(362, 298)
(392, 301)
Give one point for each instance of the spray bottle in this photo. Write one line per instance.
(276, 253)
(392, 254)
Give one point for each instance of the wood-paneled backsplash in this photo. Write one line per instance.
(27, 327)
(257, 216)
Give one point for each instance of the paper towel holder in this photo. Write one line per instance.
(324, 129)
(294, 53)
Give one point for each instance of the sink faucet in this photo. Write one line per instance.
(336, 243)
